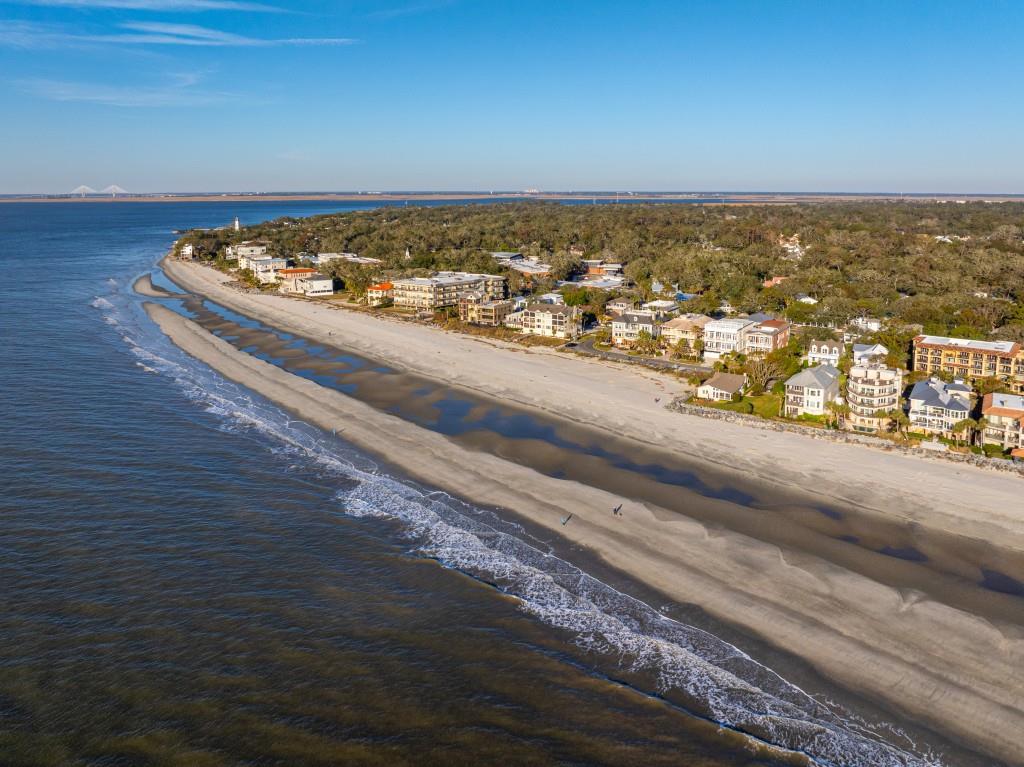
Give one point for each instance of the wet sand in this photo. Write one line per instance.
(144, 287)
(943, 666)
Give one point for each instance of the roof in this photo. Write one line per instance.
(936, 393)
(735, 323)
(297, 272)
(636, 318)
(551, 308)
(822, 345)
(448, 278)
(382, 286)
(728, 382)
(968, 344)
(1009, 405)
(317, 276)
(771, 326)
(687, 322)
(862, 349)
(820, 377)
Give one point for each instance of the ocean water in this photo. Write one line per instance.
(189, 576)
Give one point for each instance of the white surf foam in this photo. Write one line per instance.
(736, 691)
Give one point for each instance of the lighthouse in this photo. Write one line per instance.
(237, 226)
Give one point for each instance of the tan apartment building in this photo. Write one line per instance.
(872, 389)
(970, 359)
(380, 294)
(476, 310)
(445, 288)
(1005, 416)
(550, 320)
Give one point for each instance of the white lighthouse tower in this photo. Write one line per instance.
(237, 226)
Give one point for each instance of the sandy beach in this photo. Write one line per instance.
(957, 672)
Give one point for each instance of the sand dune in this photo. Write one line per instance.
(942, 666)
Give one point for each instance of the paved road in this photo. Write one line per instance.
(586, 346)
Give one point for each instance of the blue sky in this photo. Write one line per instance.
(232, 95)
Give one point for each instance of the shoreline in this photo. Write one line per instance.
(632, 401)
(739, 198)
(841, 623)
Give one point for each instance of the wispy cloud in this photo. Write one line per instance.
(159, 5)
(28, 35)
(178, 91)
(410, 10)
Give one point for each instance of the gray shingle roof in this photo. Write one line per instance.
(820, 377)
(934, 393)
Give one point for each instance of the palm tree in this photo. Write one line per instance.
(962, 426)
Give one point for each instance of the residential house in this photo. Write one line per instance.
(825, 352)
(773, 282)
(806, 299)
(866, 352)
(810, 391)
(969, 359)
(266, 269)
(550, 320)
(872, 389)
(721, 387)
(688, 328)
(620, 305)
(288, 279)
(316, 284)
(936, 406)
(475, 309)
(628, 326)
(551, 298)
(187, 252)
(866, 324)
(597, 267)
(726, 336)
(1004, 414)
(444, 288)
(250, 249)
(380, 294)
(767, 337)
(661, 308)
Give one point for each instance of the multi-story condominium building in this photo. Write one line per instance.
(628, 326)
(266, 269)
(936, 406)
(767, 337)
(824, 353)
(475, 309)
(688, 327)
(971, 359)
(245, 250)
(551, 320)
(810, 390)
(187, 252)
(1004, 414)
(444, 288)
(725, 336)
(379, 294)
(316, 285)
(288, 279)
(872, 389)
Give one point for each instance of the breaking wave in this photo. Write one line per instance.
(714, 678)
